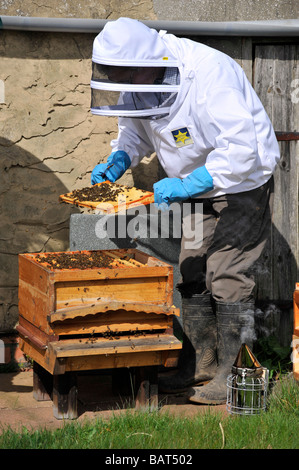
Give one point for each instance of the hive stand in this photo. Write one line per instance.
(73, 320)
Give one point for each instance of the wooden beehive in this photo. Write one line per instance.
(296, 333)
(70, 317)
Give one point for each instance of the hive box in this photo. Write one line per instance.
(67, 314)
(158, 234)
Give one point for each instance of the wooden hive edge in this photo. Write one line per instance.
(296, 309)
(73, 348)
(71, 313)
(295, 356)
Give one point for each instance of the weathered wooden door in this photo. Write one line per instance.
(276, 81)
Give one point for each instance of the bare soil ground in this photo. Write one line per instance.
(19, 409)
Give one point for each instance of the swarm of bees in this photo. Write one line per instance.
(112, 335)
(104, 192)
(79, 260)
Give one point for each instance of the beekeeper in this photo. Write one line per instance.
(195, 108)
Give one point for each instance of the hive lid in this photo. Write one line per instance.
(246, 363)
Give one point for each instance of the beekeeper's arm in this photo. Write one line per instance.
(229, 126)
(128, 149)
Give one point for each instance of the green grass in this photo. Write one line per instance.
(277, 428)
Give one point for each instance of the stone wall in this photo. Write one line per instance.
(225, 10)
(49, 141)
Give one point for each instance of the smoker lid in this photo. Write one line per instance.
(246, 363)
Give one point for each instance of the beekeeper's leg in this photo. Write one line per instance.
(240, 236)
(197, 361)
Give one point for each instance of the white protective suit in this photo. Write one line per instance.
(216, 120)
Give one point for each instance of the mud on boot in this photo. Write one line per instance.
(197, 361)
(235, 325)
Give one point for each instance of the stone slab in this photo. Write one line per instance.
(147, 229)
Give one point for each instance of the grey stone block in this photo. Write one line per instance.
(147, 229)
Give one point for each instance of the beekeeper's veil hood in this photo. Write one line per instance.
(129, 61)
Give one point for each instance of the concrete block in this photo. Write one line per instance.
(147, 229)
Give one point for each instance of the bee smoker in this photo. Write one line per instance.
(247, 385)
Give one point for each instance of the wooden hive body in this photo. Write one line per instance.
(70, 314)
(296, 333)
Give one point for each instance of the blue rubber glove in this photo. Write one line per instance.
(117, 163)
(171, 190)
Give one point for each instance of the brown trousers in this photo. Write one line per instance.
(219, 249)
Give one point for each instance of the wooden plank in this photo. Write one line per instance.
(145, 258)
(127, 262)
(138, 359)
(146, 385)
(37, 355)
(275, 67)
(35, 331)
(118, 321)
(36, 295)
(167, 358)
(65, 394)
(102, 346)
(31, 337)
(170, 358)
(111, 306)
(87, 293)
(32, 273)
(123, 272)
(42, 383)
(34, 305)
(142, 388)
(246, 57)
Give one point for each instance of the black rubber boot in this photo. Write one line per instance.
(235, 325)
(197, 361)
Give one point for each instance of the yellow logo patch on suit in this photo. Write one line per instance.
(182, 137)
